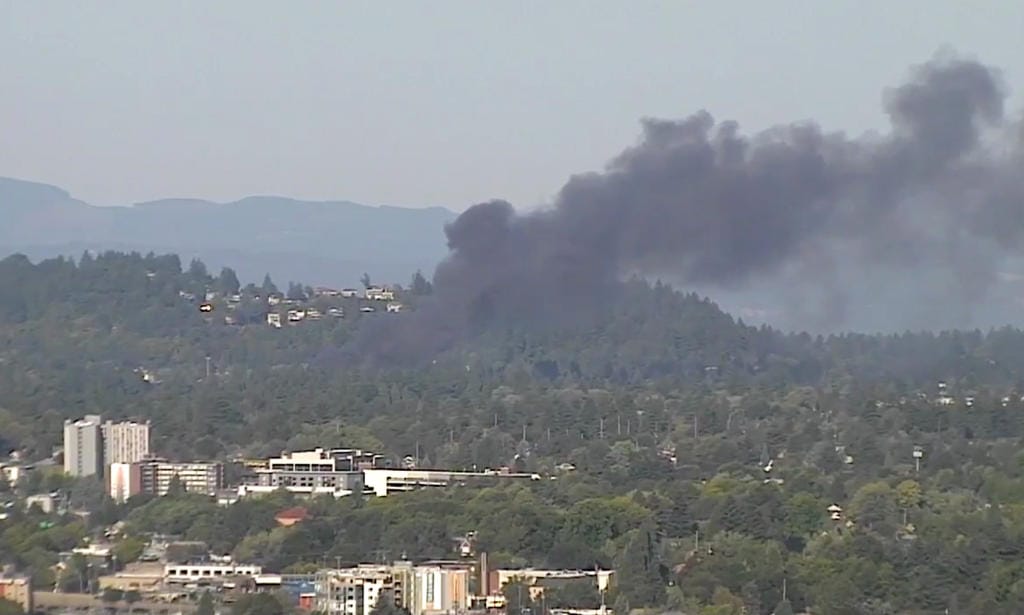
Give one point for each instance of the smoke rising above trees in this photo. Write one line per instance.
(936, 204)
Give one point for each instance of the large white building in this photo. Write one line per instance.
(382, 482)
(190, 573)
(83, 446)
(124, 481)
(352, 591)
(125, 442)
(437, 589)
(336, 472)
(428, 589)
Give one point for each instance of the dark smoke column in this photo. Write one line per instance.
(700, 202)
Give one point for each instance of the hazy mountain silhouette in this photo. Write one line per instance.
(331, 242)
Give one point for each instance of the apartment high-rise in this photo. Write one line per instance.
(83, 446)
(125, 442)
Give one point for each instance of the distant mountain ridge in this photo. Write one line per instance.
(323, 242)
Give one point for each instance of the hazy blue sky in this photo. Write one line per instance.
(441, 102)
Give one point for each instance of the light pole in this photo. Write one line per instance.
(918, 454)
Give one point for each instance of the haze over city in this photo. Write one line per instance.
(528, 308)
(448, 103)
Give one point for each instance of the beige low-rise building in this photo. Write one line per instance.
(18, 590)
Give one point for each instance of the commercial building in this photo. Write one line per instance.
(337, 472)
(125, 442)
(492, 581)
(191, 573)
(354, 591)
(18, 590)
(438, 588)
(432, 588)
(156, 476)
(382, 482)
(83, 446)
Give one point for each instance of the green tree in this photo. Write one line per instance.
(175, 487)
(129, 549)
(420, 285)
(197, 270)
(259, 604)
(8, 607)
(227, 282)
(296, 292)
(783, 608)
(268, 287)
(517, 598)
(386, 605)
(131, 597)
(205, 606)
(639, 567)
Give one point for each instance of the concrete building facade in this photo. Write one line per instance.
(337, 472)
(354, 591)
(124, 480)
(18, 590)
(83, 446)
(156, 476)
(125, 442)
(428, 589)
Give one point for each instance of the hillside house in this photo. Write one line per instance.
(379, 293)
(296, 315)
(366, 309)
(274, 299)
(323, 291)
(394, 308)
(349, 293)
(274, 320)
(336, 312)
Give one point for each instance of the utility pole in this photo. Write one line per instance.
(695, 425)
(601, 429)
(207, 367)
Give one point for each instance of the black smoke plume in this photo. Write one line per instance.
(936, 204)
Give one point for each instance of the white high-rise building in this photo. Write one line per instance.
(83, 446)
(125, 442)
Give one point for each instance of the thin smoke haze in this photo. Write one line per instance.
(935, 205)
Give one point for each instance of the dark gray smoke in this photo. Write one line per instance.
(936, 205)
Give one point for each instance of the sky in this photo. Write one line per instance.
(435, 103)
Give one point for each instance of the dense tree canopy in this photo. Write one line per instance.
(695, 454)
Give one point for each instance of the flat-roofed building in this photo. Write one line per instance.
(83, 446)
(337, 472)
(191, 573)
(18, 590)
(157, 476)
(382, 482)
(124, 480)
(125, 442)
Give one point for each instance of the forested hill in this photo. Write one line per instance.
(661, 421)
(122, 334)
(651, 332)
